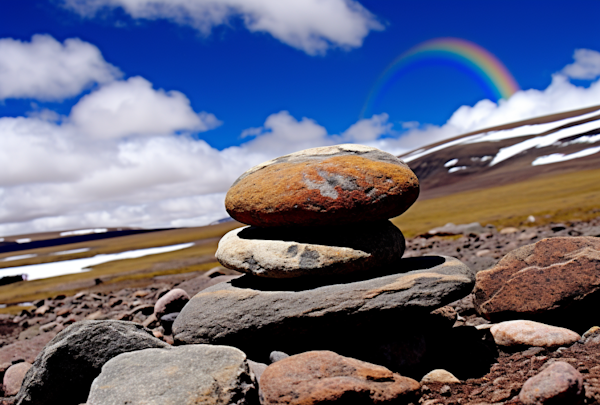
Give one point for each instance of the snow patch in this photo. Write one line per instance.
(45, 270)
(415, 155)
(451, 163)
(84, 232)
(455, 169)
(23, 240)
(70, 252)
(20, 257)
(560, 157)
(542, 141)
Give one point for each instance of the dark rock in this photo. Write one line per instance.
(63, 372)
(257, 315)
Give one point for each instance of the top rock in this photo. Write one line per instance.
(323, 186)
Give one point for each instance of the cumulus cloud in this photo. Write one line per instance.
(560, 96)
(133, 107)
(586, 66)
(310, 25)
(45, 69)
(61, 178)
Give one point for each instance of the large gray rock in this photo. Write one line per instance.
(294, 315)
(295, 252)
(195, 374)
(64, 370)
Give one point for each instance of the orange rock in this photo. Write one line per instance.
(323, 186)
(556, 276)
(326, 377)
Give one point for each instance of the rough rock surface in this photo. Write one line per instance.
(63, 372)
(195, 374)
(551, 280)
(171, 302)
(258, 315)
(319, 377)
(439, 376)
(530, 333)
(330, 185)
(13, 378)
(288, 252)
(560, 383)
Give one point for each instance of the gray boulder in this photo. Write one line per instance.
(294, 252)
(295, 315)
(64, 370)
(195, 374)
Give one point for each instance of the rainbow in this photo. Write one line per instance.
(481, 64)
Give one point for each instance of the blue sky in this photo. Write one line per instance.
(215, 87)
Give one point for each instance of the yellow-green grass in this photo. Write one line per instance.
(559, 198)
(120, 244)
(120, 273)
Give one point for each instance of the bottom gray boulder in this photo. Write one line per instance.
(64, 370)
(195, 374)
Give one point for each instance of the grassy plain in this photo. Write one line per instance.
(120, 273)
(558, 198)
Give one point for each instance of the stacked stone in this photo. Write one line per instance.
(323, 263)
(317, 212)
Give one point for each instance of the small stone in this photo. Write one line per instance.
(483, 252)
(194, 374)
(529, 333)
(289, 252)
(173, 301)
(508, 230)
(445, 391)
(560, 383)
(330, 185)
(257, 368)
(42, 310)
(276, 356)
(320, 377)
(14, 377)
(439, 376)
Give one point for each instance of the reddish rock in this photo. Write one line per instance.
(558, 384)
(529, 333)
(173, 301)
(13, 378)
(323, 186)
(534, 280)
(325, 377)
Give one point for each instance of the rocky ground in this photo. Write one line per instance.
(22, 337)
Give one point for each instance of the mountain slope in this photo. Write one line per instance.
(507, 154)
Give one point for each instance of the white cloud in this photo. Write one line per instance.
(310, 25)
(366, 130)
(560, 96)
(133, 107)
(60, 178)
(586, 66)
(45, 69)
